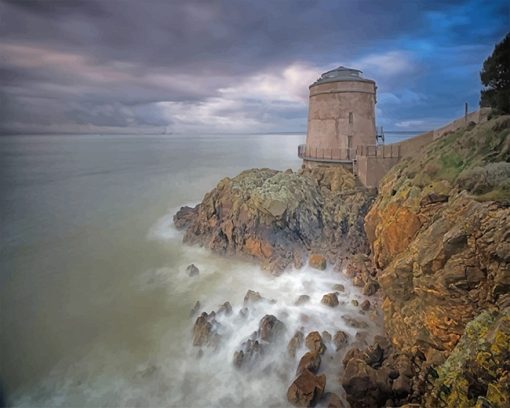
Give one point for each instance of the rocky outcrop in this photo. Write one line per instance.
(307, 389)
(441, 237)
(279, 217)
(477, 372)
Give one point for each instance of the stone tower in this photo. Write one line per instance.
(341, 116)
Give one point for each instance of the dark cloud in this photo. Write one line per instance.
(133, 63)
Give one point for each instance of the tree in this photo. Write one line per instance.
(495, 76)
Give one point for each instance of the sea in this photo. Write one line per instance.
(94, 296)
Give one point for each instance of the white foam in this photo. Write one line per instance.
(164, 228)
(170, 374)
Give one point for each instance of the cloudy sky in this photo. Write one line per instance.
(234, 65)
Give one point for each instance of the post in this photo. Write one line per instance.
(465, 113)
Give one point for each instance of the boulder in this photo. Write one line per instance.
(365, 305)
(370, 288)
(330, 299)
(302, 299)
(225, 308)
(270, 328)
(340, 340)
(309, 361)
(295, 342)
(317, 261)
(205, 331)
(192, 270)
(339, 288)
(353, 322)
(326, 336)
(307, 389)
(333, 401)
(252, 297)
(314, 343)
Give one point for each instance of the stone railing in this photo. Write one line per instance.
(324, 154)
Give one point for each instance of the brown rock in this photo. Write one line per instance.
(314, 343)
(333, 401)
(252, 297)
(317, 261)
(309, 361)
(295, 342)
(370, 288)
(365, 305)
(326, 336)
(307, 389)
(339, 288)
(330, 299)
(225, 308)
(302, 299)
(340, 340)
(270, 328)
(203, 331)
(356, 323)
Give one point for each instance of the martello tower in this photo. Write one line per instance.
(341, 116)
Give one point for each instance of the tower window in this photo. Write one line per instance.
(350, 118)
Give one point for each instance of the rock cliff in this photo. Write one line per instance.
(440, 234)
(278, 217)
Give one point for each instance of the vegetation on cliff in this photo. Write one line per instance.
(495, 76)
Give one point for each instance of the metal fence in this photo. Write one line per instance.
(325, 154)
(391, 150)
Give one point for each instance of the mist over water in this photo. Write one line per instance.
(94, 298)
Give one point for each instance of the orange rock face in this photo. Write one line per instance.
(444, 255)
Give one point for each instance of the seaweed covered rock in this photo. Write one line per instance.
(278, 217)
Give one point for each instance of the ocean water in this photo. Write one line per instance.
(94, 299)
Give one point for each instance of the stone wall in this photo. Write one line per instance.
(371, 167)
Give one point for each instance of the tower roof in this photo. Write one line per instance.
(341, 74)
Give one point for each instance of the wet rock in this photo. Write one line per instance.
(252, 297)
(184, 217)
(270, 328)
(276, 217)
(374, 356)
(192, 270)
(339, 288)
(333, 401)
(225, 308)
(309, 361)
(250, 352)
(307, 389)
(340, 340)
(314, 343)
(204, 331)
(364, 385)
(353, 322)
(194, 310)
(302, 299)
(365, 305)
(330, 299)
(317, 261)
(295, 342)
(370, 288)
(354, 302)
(243, 312)
(326, 336)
